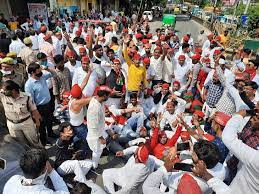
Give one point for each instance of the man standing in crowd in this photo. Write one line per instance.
(96, 124)
(36, 86)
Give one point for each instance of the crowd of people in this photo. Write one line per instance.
(179, 112)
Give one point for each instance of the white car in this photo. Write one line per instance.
(147, 14)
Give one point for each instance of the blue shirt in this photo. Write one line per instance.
(38, 89)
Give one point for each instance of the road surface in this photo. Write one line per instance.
(11, 151)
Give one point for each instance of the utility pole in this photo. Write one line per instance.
(247, 6)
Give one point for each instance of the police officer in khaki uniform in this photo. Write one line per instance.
(19, 111)
(27, 54)
(7, 69)
(18, 66)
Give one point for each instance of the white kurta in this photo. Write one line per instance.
(95, 124)
(157, 65)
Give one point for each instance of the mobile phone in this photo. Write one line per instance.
(183, 146)
(183, 167)
(2, 163)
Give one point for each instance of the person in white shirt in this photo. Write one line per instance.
(34, 39)
(247, 177)
(173, 109)
(168, 66)
(156, 62)
(80, 74)
(42, 34)
(133, 174)
(182, 69)
(16, 45)
(186, 51)
(150, 72)
(57, 43)
(206, 44)
(96, 124)
(148, 102)
(72, 63)
(36, 168)
(153, 181)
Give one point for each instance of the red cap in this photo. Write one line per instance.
(188, 184)
(145, 41)
(221, 118)
(197, 103)
(181, 57)
(146, 60)
(85, 59)
(72, 24)
(125, 30)
(149, 36)
(162, 37)
(43, 29)
(186, 38)
(199, 113)
(206, 60)
(176, 82)
(82, 49)
(142, 153)
(70, 53)
(117, 61)
(2, 55)
(136, 57)
(196, 57)
(47, 37)
(185, 135)
(217, 52)
(138, 36)
(76, 91)
(158, 49)
(78, 33)
(218, 38)
(198, 51)
(165, 86)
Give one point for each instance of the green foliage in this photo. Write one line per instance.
(252, 10)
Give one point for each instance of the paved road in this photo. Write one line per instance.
(11, 152)
(182, 27)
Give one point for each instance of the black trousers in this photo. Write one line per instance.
(46, 122)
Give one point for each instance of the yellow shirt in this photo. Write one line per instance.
(13, 25)
(224, 39)
(136, 75)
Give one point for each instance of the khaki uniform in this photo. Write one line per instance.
(16, 77)
(21, 69)
(19, 120)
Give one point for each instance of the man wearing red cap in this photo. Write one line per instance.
(96, 123)
(172, 110)
(161, 96)
(168, 67)
(146, 52)
(85, 77)
(136, 74)
(187, 183)
(131, 176)
(48, 48)
(157, 61)
(182, 69)
(150, 72)
(42, 34)
(72, 63)
(206, 44)
(195, 71)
